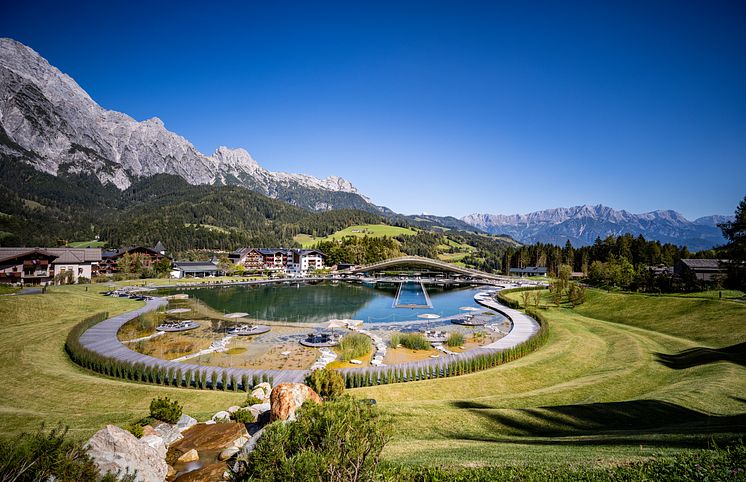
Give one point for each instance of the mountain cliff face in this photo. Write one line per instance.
(48, 121)
(583, 224)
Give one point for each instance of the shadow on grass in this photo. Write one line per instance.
(701, 356)
(651, 422)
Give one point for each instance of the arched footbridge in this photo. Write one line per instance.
(420, 262)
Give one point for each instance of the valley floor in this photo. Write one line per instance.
(621, 377)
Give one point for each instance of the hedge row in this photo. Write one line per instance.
(205, 379)
(513, 303)
(461, 366)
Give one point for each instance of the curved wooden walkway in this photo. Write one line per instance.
(102, 339)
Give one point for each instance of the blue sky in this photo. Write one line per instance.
(440, 107)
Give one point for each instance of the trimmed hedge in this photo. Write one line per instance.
(459, 366)
(512, 303)
(141, 373)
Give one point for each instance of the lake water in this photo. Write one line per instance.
(316, 303)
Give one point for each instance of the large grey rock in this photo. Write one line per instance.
(156, 442)
(115, 450)
(221, 415)
(248, 447)
(233, 409)
(169, 433)
(228, 453)
(261, 407)
(185, 422)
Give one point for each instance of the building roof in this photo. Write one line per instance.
(115, 253)
(271, 250)
(308, 251)
(159, 247)
(7, 254)
(195, 266)
(76, 255)
(529, 269)
(703, 263)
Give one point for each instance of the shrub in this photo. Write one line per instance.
(135, 429)
(395, 340)
(48, 455)
(414, 341)
(455, 339)
(250, 400)
(338, 441)
(326, 382)
(165, 410)
(354, 346)
(243, 416)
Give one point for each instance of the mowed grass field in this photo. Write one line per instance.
(372, 230)
(622, 377)
(40, 384)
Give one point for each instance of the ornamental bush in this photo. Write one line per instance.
(328, 383)
(414, 341)
(338, 441)
(165, 410)
(455, 339)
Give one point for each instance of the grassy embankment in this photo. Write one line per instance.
(614, 383)
(622, 377)
(40, 384)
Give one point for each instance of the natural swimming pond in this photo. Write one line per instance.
(316, 303)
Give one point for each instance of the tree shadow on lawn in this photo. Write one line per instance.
(701, 356)
(650, 422)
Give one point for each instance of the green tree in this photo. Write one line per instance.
(125, 263)
(735, 232)
(225, 265)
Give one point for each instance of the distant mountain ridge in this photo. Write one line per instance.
(48, 121)
(581, 225)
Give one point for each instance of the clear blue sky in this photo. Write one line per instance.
(440, 107)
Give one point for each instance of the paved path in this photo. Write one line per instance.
(102, 339)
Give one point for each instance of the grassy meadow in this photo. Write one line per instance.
(621, 378)
(371, 230)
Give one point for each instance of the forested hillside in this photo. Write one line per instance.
(39, 209)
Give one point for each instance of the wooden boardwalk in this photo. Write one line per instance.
(102, 339)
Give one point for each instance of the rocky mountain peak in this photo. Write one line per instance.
(47, 120)
(581, 225)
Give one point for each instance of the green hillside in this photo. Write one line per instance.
(361, 230)
(612, 387)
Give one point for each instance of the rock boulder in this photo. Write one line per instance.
(116, 450)
(287, 398)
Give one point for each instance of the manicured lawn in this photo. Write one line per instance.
(372, 230)
(87, 244)
(602, 389)
(710, 321)
(596, 393)
(6, 289)
(40, 384)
